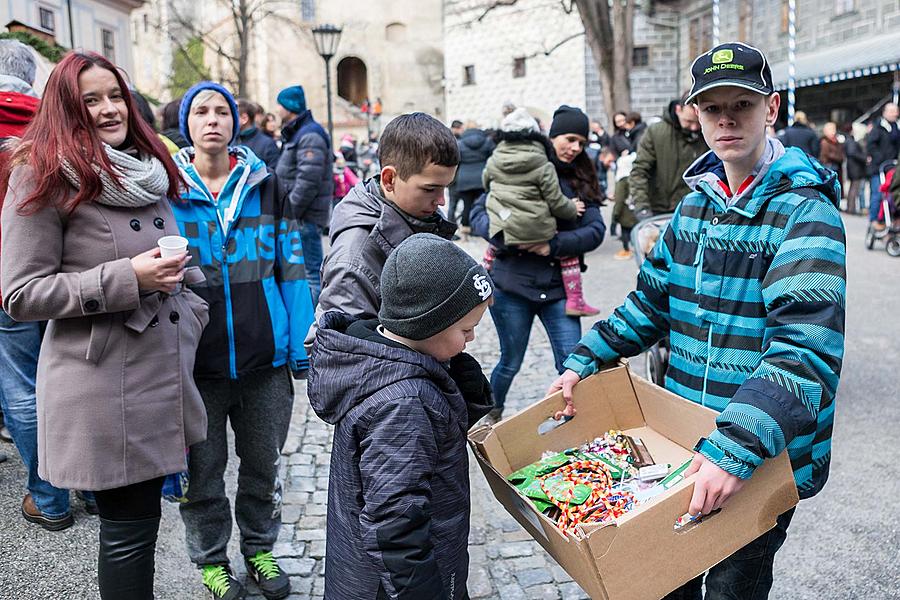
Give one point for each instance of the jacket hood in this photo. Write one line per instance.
(246, 175)
(361, 207)
(8, 83)
(519, 157)
(779, 170)
(248, 165)
(474, 139)
(17, 109)
(365, 206)
(340, 364)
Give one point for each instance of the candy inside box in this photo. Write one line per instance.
(639, 554)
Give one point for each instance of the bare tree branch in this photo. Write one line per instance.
(492, 6)
(548, 51)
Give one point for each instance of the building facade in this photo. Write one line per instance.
(392, 52)
(101, 26)
(847, 57)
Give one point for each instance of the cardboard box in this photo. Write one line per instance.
(641, 556)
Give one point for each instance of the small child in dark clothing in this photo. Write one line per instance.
(402, 394)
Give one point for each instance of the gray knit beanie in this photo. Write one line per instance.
(428, 284)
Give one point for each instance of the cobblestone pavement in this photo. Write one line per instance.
(827, 555)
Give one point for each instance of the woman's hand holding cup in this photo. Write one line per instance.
(157, 272)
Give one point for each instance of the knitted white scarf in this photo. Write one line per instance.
(142, 181)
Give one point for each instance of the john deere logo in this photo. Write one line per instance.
(722, 56)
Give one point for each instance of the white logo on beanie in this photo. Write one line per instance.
(482, 285)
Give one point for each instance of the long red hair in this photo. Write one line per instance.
(63, 129)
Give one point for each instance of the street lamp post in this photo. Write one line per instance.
(327, 38)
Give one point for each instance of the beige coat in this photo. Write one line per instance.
(116, 399)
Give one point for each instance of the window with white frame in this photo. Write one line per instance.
(47, 19)
(108, 43)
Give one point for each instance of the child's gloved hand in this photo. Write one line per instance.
(473, 385)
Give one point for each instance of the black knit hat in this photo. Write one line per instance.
(428, 284)
(568, 119)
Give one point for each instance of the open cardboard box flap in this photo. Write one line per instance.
(641, 556)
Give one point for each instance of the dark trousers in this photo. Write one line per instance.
(745, 575)
(132, 502)
(468, 198)
(259, 407)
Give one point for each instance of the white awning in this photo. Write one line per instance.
(871, 56)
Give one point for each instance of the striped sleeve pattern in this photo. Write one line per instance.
(788, 400)
(641, 321)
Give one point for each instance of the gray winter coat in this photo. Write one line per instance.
(364, 231)
(398, 489)
(305, 169)
(116, 398)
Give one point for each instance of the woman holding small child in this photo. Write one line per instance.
(542, 276)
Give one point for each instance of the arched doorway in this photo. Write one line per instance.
(352, 80)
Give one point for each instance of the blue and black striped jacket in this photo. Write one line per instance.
(753, 298)
(260, 306)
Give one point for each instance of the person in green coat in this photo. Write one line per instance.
(524, 200)
(665, 152)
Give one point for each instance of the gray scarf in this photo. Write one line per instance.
(142, 181)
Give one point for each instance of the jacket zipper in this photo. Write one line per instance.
(698, 262)
(708, 356)
(229, 317)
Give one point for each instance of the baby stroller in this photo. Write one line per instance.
(643, 238)
(889, 211)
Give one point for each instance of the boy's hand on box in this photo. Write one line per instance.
(713, 486)
(565, 382)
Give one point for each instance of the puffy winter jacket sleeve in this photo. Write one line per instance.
(561, 207)
(643, 170)
(641, 321)
(310, 156)
(291, 279)
(803, 347)
(34, 288)
(584, 238)
(398, 457)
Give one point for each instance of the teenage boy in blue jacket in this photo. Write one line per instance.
(243, 235)
(749, 282)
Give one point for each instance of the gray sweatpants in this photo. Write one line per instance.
(259, 406)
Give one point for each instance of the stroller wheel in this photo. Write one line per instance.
(870, 238)
(893, 247)
(655, 366)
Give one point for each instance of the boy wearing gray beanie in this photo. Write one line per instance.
(402, 394)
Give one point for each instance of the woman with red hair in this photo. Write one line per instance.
(85, 200)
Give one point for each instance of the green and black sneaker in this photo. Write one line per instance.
(222, 584)
(272, 581)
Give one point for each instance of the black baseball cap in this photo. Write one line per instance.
(732, 64)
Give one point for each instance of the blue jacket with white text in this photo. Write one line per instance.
(247, 244)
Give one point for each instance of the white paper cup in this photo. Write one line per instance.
(172, 245)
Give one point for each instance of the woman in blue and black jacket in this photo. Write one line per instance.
(243, 236)
(528, 278)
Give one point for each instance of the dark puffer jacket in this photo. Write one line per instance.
(305, 169)
(801, 136)
(475, 147)
(398, 490)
